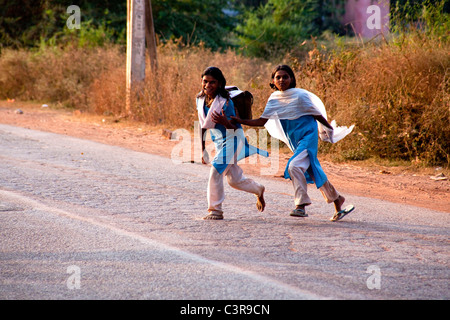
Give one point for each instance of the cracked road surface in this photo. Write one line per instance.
(84, 220)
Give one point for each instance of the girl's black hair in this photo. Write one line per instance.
(290, 73)
(217, 74)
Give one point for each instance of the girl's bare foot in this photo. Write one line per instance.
(260, 203)
(338, 203)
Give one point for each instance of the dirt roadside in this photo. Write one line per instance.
(396, 184)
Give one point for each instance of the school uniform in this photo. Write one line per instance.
(290, 115)
(231, 146)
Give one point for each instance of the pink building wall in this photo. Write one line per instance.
(368, 17)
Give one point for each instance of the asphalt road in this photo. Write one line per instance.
(84, 220)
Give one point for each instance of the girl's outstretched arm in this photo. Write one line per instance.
(252, 123)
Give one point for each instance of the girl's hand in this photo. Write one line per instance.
(220, 118)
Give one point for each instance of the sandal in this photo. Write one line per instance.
(341, 214)
(213, 216)
(298, 213)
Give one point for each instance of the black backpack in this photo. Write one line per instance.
(243, 101)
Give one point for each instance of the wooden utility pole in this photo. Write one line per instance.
(139, 28)
(135, 47)
(150, 35)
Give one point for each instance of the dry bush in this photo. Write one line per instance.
(16, 80)
(54, 74)
(107, 93)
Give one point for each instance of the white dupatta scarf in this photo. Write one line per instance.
(294, 103)
(206, 120)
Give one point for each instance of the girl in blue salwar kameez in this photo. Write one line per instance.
(298, 118)
(215, 109)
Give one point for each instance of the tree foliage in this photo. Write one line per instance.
(30, 22)
(261, 28)
(279, 25)
(193, 21)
